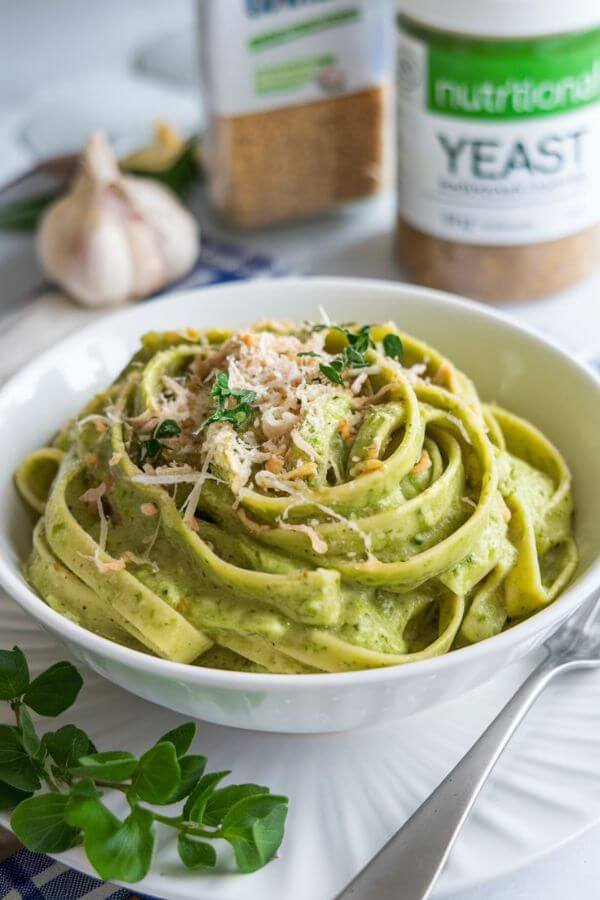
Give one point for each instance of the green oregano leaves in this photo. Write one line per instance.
(71, 777)
(231, 405)
(14, 674)
(393, 347)
(353, 355)
(149, 449)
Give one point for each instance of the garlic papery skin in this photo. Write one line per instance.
(115, 238)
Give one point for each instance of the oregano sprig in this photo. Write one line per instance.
(353, 354)
(232, 405)
(54, 786)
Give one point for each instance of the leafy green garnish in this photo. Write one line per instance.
(67, 745)
(157, 774)
(54, 690)
(17, 768)
(196, 854)
(72, 811)
(333, 371)
(360, 340)
(253, 828)
(393, 347)
(114, 765)
(40, 824)
(232, 405)
(308, 353)
(168, 428)
(351, 357)
(181, 737)
(14, 674)
(149, 449)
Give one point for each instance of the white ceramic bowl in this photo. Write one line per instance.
(516, 367)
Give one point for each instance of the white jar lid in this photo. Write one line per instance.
(504, 18)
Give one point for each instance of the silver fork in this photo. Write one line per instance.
(408, 866)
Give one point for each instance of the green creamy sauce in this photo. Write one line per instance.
(419, 530)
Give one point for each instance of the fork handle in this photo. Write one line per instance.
(407, 867)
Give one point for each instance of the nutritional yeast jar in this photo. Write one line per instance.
(499, 144)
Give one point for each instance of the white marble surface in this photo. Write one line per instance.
(54, 59)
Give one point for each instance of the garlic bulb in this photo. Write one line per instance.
(113, 237)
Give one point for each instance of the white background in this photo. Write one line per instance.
(63, 60)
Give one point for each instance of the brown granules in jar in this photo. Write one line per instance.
(296, 161)
(496, 273)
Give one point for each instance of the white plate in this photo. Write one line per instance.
(349, 792)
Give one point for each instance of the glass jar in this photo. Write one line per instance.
(499, 145)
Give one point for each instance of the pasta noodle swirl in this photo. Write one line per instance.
(295, 499)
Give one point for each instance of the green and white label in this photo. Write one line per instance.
(260, 55)
(499, 148)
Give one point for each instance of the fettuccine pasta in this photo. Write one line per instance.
(297, 499)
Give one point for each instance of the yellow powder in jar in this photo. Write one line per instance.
(298, 161)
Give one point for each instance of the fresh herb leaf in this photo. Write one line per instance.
(332, 373)
(117, 850)
(67, 745)
(196, 854)
(11, 796)
(14, 674)
(361, 340)
(221, 801)
(126, 853)
(54, 690)
(39, 823)
(238, 412)
(158, 775)
(114, 765)
(29, 738)
(149, 450)
(168, 428)
(393, 347)
(181, 737)
(308, 353)
(244, 397)
(352, 359)
(192, 769)
(352, 356)
(254, 827)
(16, 767)
(246, 815)
(221, 386)
(195, 804)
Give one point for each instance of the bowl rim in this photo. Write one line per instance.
(566, 604)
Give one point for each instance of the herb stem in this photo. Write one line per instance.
(51, 783)
(171, 821)
(187, 827)
(112, 785)
(16, 708)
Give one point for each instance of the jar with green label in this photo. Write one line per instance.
(499, 144)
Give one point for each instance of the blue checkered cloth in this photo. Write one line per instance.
(34, 876)
(221, 262)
